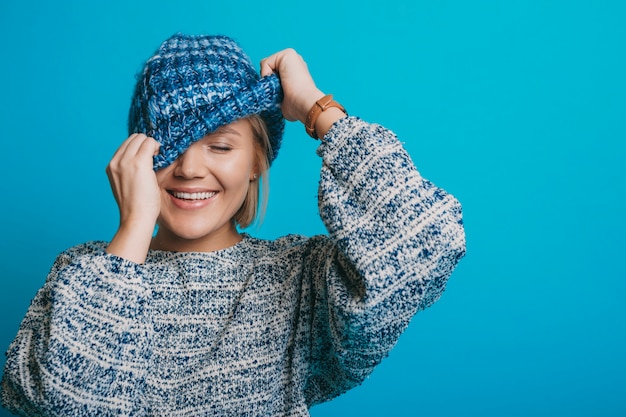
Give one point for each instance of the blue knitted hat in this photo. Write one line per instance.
(195, 84)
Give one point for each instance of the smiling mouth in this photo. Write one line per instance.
(192, 196)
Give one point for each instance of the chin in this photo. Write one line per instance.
(193, 230)
(192, 234)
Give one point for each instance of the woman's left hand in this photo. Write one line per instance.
(299, 89)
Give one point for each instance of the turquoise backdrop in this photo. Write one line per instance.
(516, 107)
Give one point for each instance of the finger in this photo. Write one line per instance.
(118, 154)
(133, 146)
(122, 148)
(126, 152)
(149, 148)
(269, 65)
(273, 63)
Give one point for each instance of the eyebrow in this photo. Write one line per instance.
(225, 129)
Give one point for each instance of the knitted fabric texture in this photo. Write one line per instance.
(195, 84)
(263, 328)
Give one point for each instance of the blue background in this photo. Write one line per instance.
(516, 107)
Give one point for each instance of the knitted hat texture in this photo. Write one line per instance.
(195, 84)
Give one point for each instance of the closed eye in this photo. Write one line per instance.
(220, 148)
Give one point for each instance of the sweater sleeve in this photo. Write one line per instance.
(394, 239)
(79, 348)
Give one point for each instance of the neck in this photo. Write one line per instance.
(218, 240)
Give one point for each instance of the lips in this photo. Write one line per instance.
(192, 196)
(192, 199)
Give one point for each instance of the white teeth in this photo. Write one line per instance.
(192, 196)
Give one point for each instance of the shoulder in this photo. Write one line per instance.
(283, 244)
(77, 258)
(92, 248)
(286, 246)
(92, 256)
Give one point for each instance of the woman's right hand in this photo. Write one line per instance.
(136, 191)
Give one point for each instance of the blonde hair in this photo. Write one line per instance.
(252, 207)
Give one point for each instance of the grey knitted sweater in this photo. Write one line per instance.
(263, 328)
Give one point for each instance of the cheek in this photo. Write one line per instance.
(236, 173)
(163, 173)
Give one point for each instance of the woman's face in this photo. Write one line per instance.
(203, 189)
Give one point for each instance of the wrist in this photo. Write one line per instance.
(131, 241)
(321, 116)
(326, 120)
(308, 104)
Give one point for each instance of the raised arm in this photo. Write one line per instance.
(135, 188)
(394, 239)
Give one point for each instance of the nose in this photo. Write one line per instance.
(191, 164)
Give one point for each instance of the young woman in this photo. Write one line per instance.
(204, 320)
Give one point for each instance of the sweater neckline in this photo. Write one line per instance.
(239, 248)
